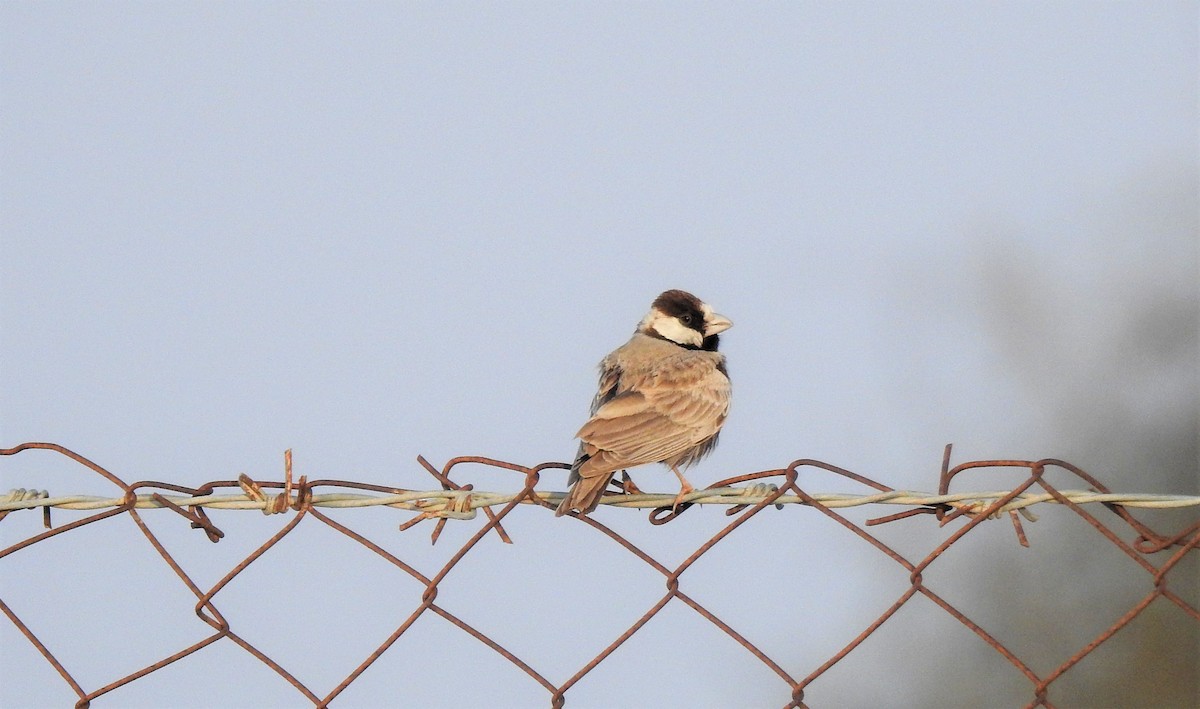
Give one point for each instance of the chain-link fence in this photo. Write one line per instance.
(1166, 560)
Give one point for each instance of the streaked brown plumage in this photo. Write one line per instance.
(663, 397)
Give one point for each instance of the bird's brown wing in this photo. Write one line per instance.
(606, 390)
(610, 379)
(673, 412)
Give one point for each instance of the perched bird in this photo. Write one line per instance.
(663, 397)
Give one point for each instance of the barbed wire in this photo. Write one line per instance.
(744, 496)
(451, 501)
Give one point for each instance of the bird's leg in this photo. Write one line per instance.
(628, 486)
(684, 488)
(625, 484)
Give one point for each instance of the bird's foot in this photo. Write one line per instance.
(683, 492)
(628, 486)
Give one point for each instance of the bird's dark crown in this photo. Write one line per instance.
(683, 305)
(689, 310)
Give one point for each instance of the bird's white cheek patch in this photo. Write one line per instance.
(675, 331)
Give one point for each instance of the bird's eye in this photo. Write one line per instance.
(686, 318)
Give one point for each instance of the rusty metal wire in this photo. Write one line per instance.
(746, 496)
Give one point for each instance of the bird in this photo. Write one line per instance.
(663, 397)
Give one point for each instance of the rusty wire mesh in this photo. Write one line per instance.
(1159, 555)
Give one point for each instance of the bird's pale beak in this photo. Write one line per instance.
(716, 323)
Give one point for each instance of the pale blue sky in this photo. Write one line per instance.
(371, 230)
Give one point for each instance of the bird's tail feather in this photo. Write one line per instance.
(584, 495)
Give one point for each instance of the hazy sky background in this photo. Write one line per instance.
(370, 230)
